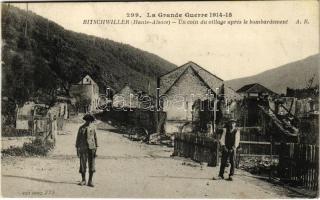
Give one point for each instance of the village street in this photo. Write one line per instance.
(124, 169)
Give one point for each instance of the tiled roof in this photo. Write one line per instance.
(168, 79)
(254, 88)
(231, 94)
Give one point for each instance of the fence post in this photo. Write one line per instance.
(271, 168)
(217, 147)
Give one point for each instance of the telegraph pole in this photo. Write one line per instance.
(26, 27)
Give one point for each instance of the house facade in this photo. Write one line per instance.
(85, 94)
(179, 89)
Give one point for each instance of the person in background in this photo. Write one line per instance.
(229, 142)
(86, 145)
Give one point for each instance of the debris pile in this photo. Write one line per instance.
(259, 166)
(135, 133)
(283, 125)
(155, 138)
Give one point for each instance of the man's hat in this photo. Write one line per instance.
(88, 117)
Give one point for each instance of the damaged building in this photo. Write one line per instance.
(179, 89)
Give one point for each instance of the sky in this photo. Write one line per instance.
(228, 51)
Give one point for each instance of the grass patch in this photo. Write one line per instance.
(36, 148)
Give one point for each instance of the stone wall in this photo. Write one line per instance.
(182, 96)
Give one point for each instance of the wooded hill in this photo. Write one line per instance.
(39, 57)
(296, 75)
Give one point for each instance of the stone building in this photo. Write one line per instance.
(180, 88)
(86, 94)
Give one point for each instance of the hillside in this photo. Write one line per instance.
(40, 57)
(294, 75)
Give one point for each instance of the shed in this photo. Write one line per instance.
(254, 90)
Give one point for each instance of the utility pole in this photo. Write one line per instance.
(47, 29)
(26, 27)
(24, 52)
(148, 87)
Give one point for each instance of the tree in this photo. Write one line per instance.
(18, 92)
(24, 43)
(45, 80)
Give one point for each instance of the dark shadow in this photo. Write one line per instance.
(118, 131)
(112, 130)
(181, 177)
(292, 192)
(115, 130)
(254, 176)
(40, 180)
(103, 157)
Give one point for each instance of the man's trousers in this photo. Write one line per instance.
(87, 156)
(231, 155)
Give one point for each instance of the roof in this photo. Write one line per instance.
(126, 90)
(170, 78)
(255, 88)
(230, 93)
(90, 82)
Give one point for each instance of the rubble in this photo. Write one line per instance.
(258, 165)
(155, 138)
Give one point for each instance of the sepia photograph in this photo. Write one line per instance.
(160, 99)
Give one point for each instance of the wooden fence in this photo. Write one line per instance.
(254, 143)
(299, 165)
(198, 148)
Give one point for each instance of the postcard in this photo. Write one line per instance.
(160, 99)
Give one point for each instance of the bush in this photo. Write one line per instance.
(36, 148)
(13, 151)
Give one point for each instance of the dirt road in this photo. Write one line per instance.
(124, 169)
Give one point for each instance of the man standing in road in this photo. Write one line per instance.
(86, 145)
(229, 142)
